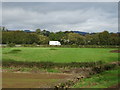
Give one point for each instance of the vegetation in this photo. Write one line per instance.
(104, 80)
(59, 55)
(89, 58)
(36, 60)
(66, 38)
(11, 44)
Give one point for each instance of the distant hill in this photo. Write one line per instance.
(79, 32)
(28, 31)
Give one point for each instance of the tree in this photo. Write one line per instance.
(88, 39)
(19, 37)
(74, 38)
(38, 31)
(95, 39)
(56, 36)
(45, 33)
(53, 36)
(66, 38)
(114, 39)
(43, 39)
(32, 38)
(104, 38)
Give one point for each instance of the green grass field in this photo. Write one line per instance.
(61, 55)
(56, 55)
(103, 80)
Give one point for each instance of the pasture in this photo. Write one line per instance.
(104, 80)
(38, 67)
(59, 55)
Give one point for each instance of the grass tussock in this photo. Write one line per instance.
(103, 80)
(53, 49)
(13, 63)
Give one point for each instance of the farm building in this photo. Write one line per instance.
(54, 43)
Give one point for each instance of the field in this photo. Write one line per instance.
(103, 80)
(25, 67)
(61, 55)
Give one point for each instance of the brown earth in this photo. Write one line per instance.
(16, 79)
(32, 80)
(115, 51)
(115, 86)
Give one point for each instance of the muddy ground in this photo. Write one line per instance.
(32, 80)
(115, 51)
(68, 77)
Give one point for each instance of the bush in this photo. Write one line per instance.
(25, 45)
(34, 45)
(101, 68)
(11, 44)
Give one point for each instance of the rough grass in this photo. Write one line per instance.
(49, 58)
(61, 55)
(103, 80)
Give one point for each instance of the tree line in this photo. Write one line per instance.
(42, 37)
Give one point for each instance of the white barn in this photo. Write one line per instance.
(54, 43)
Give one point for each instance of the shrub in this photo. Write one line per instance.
(101, 68)
(11, 44)
(25, 45)
(34, 45)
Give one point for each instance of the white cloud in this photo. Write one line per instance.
(60, 0)
(91, 19)
(0, 13)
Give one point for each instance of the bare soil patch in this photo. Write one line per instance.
(115, 51)
(115, 86)
(32, 80)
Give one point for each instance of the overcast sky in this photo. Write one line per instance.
(61, 16)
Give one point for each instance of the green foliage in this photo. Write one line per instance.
(53, 70)
(66, 38)
(11, 44)
(20, 37)
(34, 44)
(56, 36)
(49, 65)
(43, 39)
(104, 38)
(45, 33)
(38, 31)
(99, 69)
(104, 80)
(75, 39)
